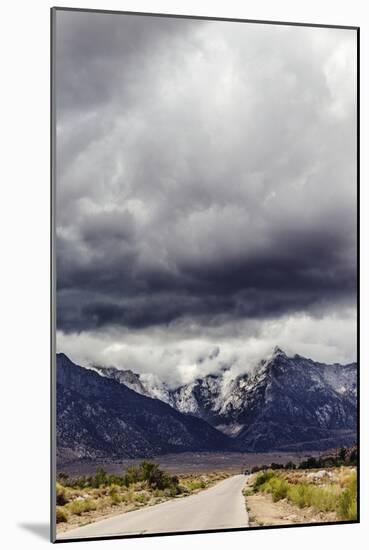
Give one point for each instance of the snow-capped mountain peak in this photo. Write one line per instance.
(300, 398)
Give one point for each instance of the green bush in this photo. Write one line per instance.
(279, 489)
(133, 475)
(263, 477)
(193, 485)
(353, 457)
(274, 485)
(82, 482)
(148, 472)
(276, 466)
(100, 478)
(155, 477)
(309, 463)
(299, 494)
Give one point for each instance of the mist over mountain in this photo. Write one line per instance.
(98, 417)
(283, 403)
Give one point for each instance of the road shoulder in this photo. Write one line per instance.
(264, 512)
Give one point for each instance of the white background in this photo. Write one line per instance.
(24, 249)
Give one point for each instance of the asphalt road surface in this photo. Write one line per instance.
(220, 507)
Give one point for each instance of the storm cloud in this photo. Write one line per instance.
(206, 177)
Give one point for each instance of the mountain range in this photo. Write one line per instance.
(283, 403)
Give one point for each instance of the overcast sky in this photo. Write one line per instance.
(206, 192)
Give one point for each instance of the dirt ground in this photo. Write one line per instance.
(263, 511)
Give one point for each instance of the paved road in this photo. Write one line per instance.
(219, 507)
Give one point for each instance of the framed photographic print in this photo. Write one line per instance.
(204, 274)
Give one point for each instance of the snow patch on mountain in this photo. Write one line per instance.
(274, 389)
(154, 387)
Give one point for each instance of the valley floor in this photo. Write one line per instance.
(190, 462)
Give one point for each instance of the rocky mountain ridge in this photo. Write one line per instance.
(283, 402)
(101, 418)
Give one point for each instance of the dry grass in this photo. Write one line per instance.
(77, 505)
(333, 490)
(61, 515)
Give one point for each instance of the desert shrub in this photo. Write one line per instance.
(61, 515)
(323, 499)
(100, 478)
(347, 508)
(78, 507)
(128, 496)
(195, 484)
(133, 475)
(61, 495)
(114, 480)
(142, 498)
(156, 478)
(276, 466)
(262, 478)
(279, 488)
(63, 478)
(114, 493)
(353, 457)
(347, 504)
(115, 499)
(81, 482)
(114, 489)
(327, 462)
(299, 494)
(342, 454)
(275, 485)
(150, 471)
(310, 462)
(173, 490)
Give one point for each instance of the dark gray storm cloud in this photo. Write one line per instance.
(205, 172)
